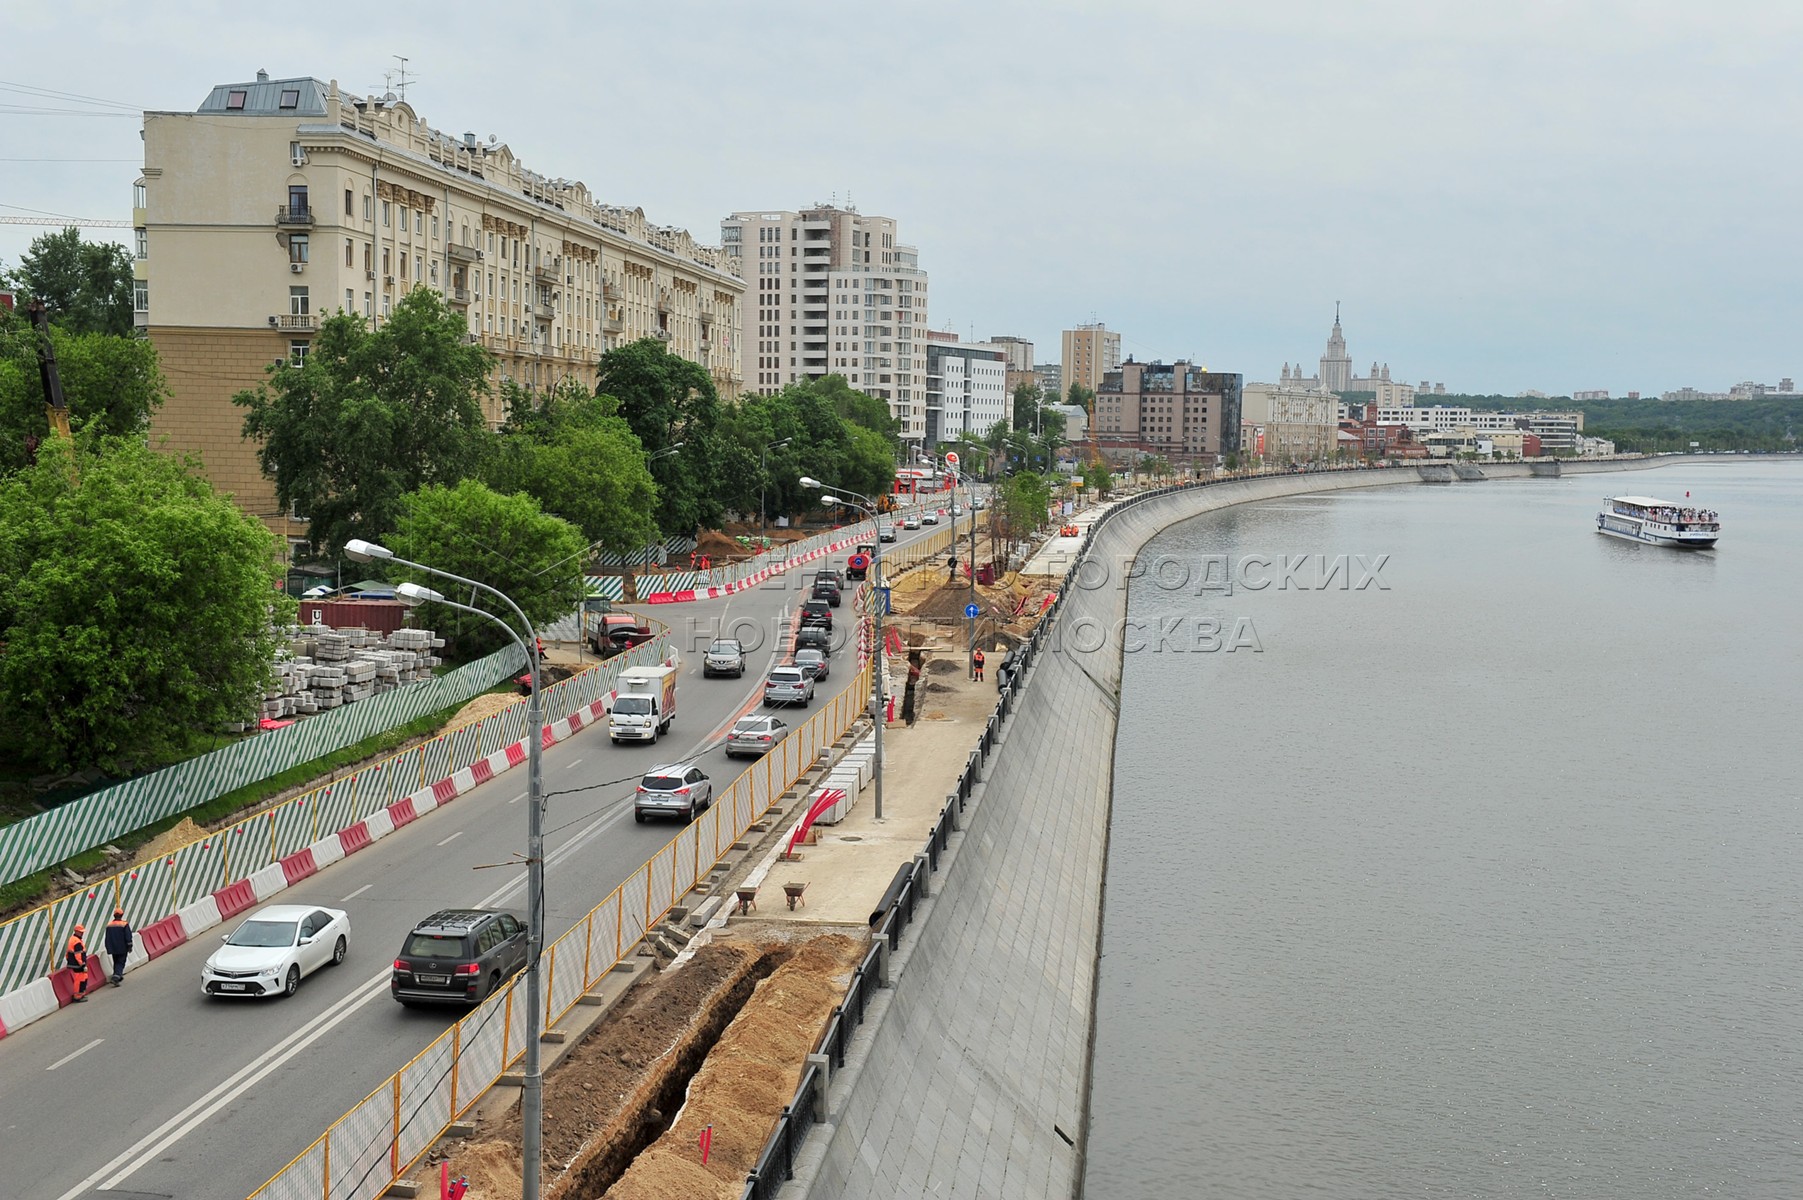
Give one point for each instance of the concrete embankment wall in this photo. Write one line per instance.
(972, 1075)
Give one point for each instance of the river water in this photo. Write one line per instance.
(1483, 880)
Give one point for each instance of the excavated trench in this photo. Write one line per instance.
(660, 1097)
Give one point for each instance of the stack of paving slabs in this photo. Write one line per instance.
(326, 668)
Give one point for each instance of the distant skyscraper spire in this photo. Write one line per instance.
(1336, 364)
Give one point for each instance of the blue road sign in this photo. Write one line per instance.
(971, 611)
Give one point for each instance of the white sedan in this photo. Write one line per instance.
(274, 948)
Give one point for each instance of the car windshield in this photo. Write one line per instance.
(723, 648)
(633, 705)
(661, 783)
(434, 945)
(265, 933)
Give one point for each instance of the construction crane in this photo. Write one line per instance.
(56, 409)
(65, 222)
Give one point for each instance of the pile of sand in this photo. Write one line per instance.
(169, 841)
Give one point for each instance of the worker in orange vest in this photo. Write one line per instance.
(75, 957)
(976, 665)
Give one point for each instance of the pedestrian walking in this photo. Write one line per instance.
(118, 943)
(75, 957)
(976, 664)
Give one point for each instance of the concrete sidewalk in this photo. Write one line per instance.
(850, 866)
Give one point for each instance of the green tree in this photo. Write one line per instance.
(507, 542)
(669, 402)
(832, 432)
(111, 385)
(1097, 479)
(1027, 399)
(1024, 502)
(370, 416)
(575, 457)
(137, 608)
(1082, 397)
(86, 287)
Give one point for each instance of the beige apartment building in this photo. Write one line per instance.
(1181, 412)
(280, 201)
(1298, 424)
(830, 291)
(1090, 352)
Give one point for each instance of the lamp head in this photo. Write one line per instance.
(413, 595)
(832, 500)
(363, 551)
(808, 481)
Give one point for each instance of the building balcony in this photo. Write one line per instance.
(458, 295)
(610, 291)
(546, 272)
(461, 253)
(613, 323)
(662, 335)
(704, 345)
(293, 322)
(294, 218)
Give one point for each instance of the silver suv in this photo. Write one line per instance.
(678, 790)
(724, 657)
(788, 685)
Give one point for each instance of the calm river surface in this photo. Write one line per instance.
(1487, 884)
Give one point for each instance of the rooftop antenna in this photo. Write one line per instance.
(395, 79)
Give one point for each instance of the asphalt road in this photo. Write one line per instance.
(152, 1089)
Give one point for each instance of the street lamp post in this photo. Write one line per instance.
(763, 528)
(532, 1093)
(877, 657)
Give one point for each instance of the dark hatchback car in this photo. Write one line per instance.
(817, 612)
(458, 956)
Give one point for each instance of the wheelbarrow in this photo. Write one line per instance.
(793, 891)
(748, 897)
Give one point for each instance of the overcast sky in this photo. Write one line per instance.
(1587, 194)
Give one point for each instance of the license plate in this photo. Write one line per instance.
(234, 987)
(433, 978)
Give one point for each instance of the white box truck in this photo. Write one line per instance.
(645, 706)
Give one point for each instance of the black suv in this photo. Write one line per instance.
(817, 612)
(458, 956)
(813, 637)
(828, 590)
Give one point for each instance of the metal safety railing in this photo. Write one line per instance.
(374, 1144)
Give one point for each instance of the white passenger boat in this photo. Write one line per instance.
(1660, 522)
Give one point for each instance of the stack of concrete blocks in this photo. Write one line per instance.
(852, 774)
(327, 668)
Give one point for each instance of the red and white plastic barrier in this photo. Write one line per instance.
(45, 995)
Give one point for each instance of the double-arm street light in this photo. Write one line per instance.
(666, 452)
(970, 511)
(532, 1094)
(762, 526)
(838, 496)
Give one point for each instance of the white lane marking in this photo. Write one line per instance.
(452, 838)
(182, 1123)
(517, 798)
(72, 1057)
(574, 762)
(355, 894)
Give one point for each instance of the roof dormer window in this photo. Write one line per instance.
(290, 98)
(235, 100)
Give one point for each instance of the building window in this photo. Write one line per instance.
(140, 196)
(234, 101)
(297, 247)
(140, 295)
(297, 352)
(386, 268)
(369, 211)
(350, 252)
(387, 214)
(141, 242)
(419, 221)
(290, 98)
(297, 199)
(349, 201)
(297, 302)
(350, 300)
(369, 304)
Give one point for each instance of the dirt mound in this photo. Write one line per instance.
(169, 841)
(483, 707)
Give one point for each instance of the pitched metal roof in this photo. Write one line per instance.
(264, 97)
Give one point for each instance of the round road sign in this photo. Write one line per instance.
(971, 611)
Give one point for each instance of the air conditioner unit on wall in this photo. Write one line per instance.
(297, 268)
(300, 158)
